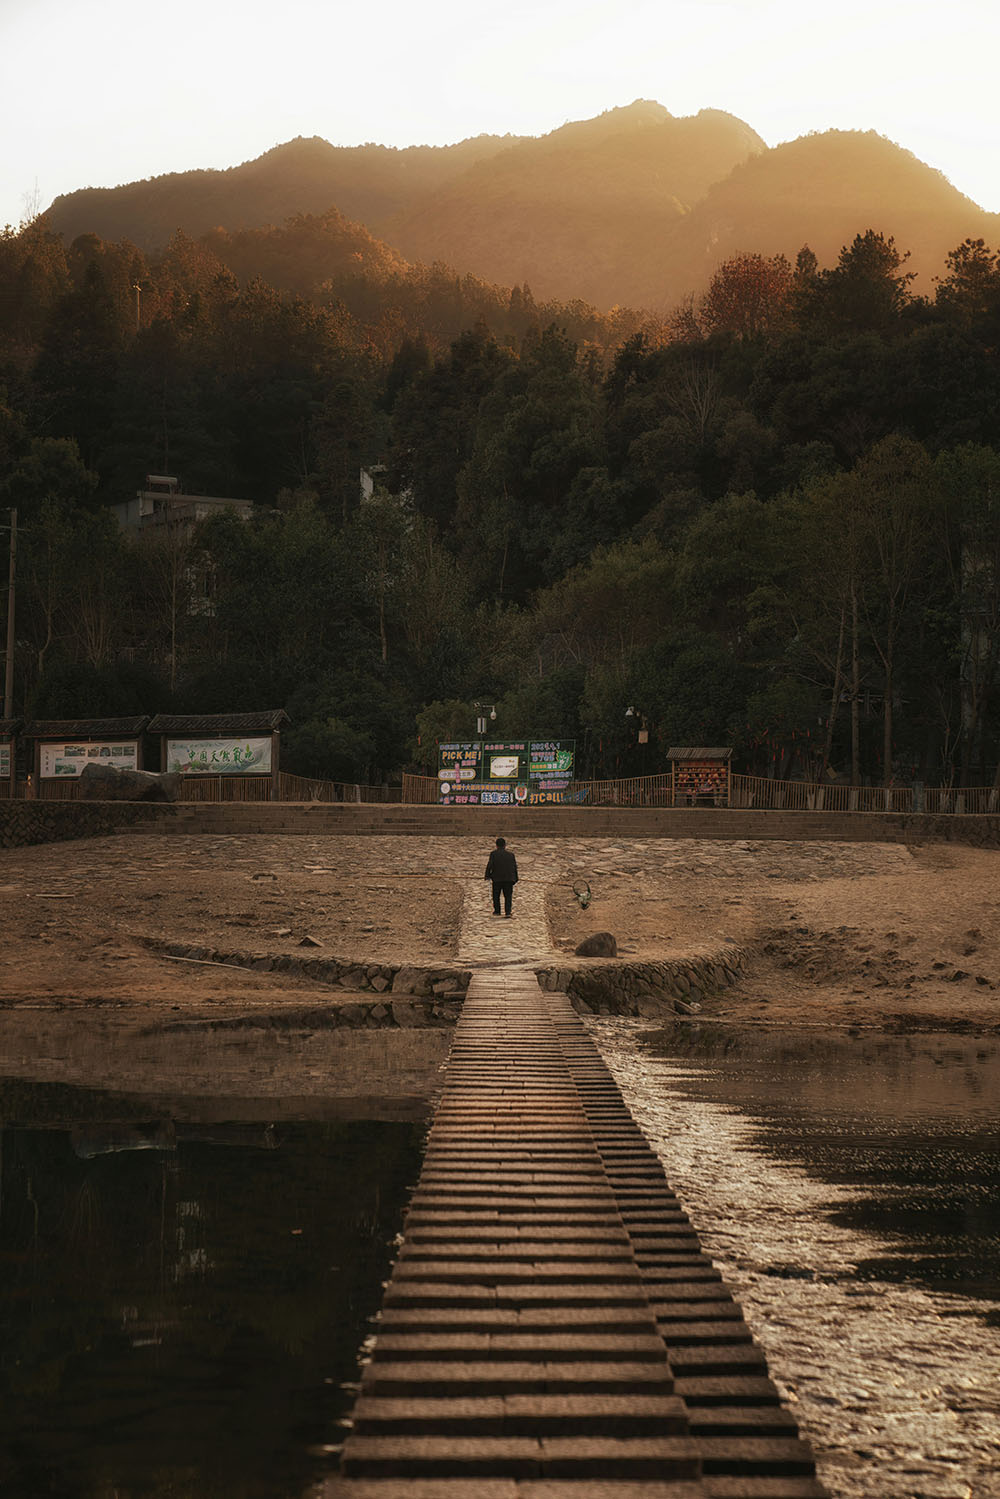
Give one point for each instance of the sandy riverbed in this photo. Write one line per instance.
(843, 934)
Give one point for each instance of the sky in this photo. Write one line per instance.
(94, 93)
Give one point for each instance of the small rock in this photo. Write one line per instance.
(682, 1007)
(409, 1016)
(308, 941)
(411, 981)
(264, 877)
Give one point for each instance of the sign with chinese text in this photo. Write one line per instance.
(220, 757)
(4, 762)
(61, 760)
(506, 773)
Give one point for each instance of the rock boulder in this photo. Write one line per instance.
(597, 945)
(106, 783)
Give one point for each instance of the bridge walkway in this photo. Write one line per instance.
(552, 1328)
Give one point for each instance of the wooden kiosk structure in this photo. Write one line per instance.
(62, 747)
(234, 756)
(699, 776)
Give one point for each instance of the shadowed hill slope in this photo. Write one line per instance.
(365, 183)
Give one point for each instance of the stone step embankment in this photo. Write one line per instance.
(390, 979)
(552, 1328)
(607, 987)
(23, 823)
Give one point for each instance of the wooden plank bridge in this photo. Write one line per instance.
(552, 1328)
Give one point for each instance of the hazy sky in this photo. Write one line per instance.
(100, 92)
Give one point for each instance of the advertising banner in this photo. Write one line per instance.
(61, 760)
(499, 773)
(220, 757)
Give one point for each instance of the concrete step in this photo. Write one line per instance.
(605, 1457)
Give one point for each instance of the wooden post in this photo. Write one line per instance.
(275, 752)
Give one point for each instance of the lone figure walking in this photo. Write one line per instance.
(501, 868)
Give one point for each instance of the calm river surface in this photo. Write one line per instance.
(849, 1188)
(182, 1305)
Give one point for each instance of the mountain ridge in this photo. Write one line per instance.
(635, 206)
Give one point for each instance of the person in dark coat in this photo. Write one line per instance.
(502, 870)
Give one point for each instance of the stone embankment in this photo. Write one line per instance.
(23, 823)
(603, 987)
(678, 984)
(439, 990)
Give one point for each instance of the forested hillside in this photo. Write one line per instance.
(770, 520)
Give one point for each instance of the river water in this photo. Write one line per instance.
(182, 1303)
(183, 1294)
(849, 1188)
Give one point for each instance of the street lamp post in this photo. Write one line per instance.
(633, 716)
(483, 711)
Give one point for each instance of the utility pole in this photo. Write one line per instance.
(8, 682)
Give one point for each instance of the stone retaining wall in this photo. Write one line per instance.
(25, 823)
(646, 988)
(381, 978)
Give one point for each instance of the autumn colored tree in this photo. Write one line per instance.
(748, 295)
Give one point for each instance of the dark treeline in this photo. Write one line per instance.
(774, 523)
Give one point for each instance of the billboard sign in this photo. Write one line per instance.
(220, 757)
(506, 773)
(59, 761)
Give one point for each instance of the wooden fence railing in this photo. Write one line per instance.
(808, 796)
(756, 792)
(304, 789)
(760, 793)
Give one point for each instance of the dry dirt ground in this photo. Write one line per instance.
(843, 934)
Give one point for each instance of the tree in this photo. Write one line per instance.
(606, 609)
(748, 295)
(968, 480)
(892, 484)
(970, 294)
(867, 290)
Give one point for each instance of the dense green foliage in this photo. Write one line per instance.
(775, 524)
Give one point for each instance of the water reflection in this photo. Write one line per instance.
(180, 1305)
(849, 1187)
(912, 1122)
